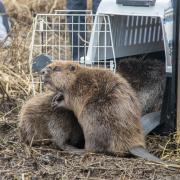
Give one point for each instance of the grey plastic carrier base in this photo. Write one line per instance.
(136, 2)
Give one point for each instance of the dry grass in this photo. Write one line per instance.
(17, 161)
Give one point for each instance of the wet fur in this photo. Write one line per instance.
(104, 103)
(38, 121)
(147, 77)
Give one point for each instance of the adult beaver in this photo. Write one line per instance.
(38, 120)
(105, 105)
(147, 77)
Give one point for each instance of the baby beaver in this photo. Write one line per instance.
(38, 120)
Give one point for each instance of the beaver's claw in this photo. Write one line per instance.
(57, 101)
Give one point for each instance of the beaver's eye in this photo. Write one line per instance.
(57, 68)
(72, 67)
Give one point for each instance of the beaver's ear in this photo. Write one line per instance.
(72, 67)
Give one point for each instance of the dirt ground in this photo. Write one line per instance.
(18, 161)
(45, 161)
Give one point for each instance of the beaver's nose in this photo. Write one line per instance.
(45, 71)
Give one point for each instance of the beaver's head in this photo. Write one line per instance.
(60, 75)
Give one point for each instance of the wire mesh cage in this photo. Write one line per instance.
(62, 36)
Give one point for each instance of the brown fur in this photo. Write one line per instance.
(39, 121)
(104, 104)
(147, 77)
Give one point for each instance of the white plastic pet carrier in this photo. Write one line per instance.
(140, 29)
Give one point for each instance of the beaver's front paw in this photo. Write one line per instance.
(57, 101)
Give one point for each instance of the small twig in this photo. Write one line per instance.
(53, 6)
(4, 91)
(82, 39)
(2, 42)
(9, 112)
(32, 141)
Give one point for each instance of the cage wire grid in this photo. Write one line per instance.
(62, 36)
